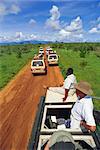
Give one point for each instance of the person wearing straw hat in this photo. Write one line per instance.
(82, 111)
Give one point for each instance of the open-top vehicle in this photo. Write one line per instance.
(49, 51)
(41, 51)
(38, 66)
(50, 109)
(53, 59)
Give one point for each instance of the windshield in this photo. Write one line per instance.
(41, 49)
(50, 51)
(53, 57)
(37, 63)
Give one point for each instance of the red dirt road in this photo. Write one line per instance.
(19, 103)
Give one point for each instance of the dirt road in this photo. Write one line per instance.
(19, 103)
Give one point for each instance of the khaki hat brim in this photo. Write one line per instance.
(89, 92)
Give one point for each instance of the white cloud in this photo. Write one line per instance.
(47, 36)
(95, 22)
(53, 22)
(73, 31)
(3, 38)
(19, 36)
(79, 36)
(98, 19)
(98, 26)
(63, 33)
(15, 9)
(75, 25)
(32, 22)
(94, 30)
(3, 10)
(33, 37)
(55, 14)
(6, 10)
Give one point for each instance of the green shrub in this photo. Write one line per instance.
(97, 53)
(1, 51)
(83, 51)
(83, 64)
(9, 51)
(19, 53)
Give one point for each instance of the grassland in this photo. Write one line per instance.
(85, 68)
(12, 59)
(84, 58)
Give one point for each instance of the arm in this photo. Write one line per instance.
(91, 128)
(67, 84)
(46, 147)
(66, 94)
(89, 122)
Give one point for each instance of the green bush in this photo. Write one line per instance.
(9, 51)
(97, 53)
(10, 64)
(83, 64)
(83, 51)
(19, 53)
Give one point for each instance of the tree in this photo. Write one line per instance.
(9, 50)
(19, 53)
(83, 51)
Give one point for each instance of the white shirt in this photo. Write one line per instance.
(70, 81)
(82, 110)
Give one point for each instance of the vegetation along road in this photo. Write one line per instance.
(19, 99)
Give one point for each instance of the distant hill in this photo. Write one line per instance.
(25, 42)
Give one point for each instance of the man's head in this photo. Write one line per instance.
(63, 146)
(69, 71)
(83, 88)
(61, 140)
(80, 94)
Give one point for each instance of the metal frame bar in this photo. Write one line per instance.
(45, 112)
(33, 141)
(88, 138)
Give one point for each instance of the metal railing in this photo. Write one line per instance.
(97, 98)
(33, 141)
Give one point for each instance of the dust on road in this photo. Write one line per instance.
(19, 105)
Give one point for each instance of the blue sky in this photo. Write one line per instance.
(55, 20)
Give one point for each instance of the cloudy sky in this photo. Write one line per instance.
(54, 20)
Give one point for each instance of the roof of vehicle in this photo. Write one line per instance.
(53, 54)
(41, 48)
(49, 49)
(57, 96)
(39, 59)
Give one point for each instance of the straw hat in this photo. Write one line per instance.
(84, 87)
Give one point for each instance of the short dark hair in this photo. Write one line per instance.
(69, 71)
(63, 146)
